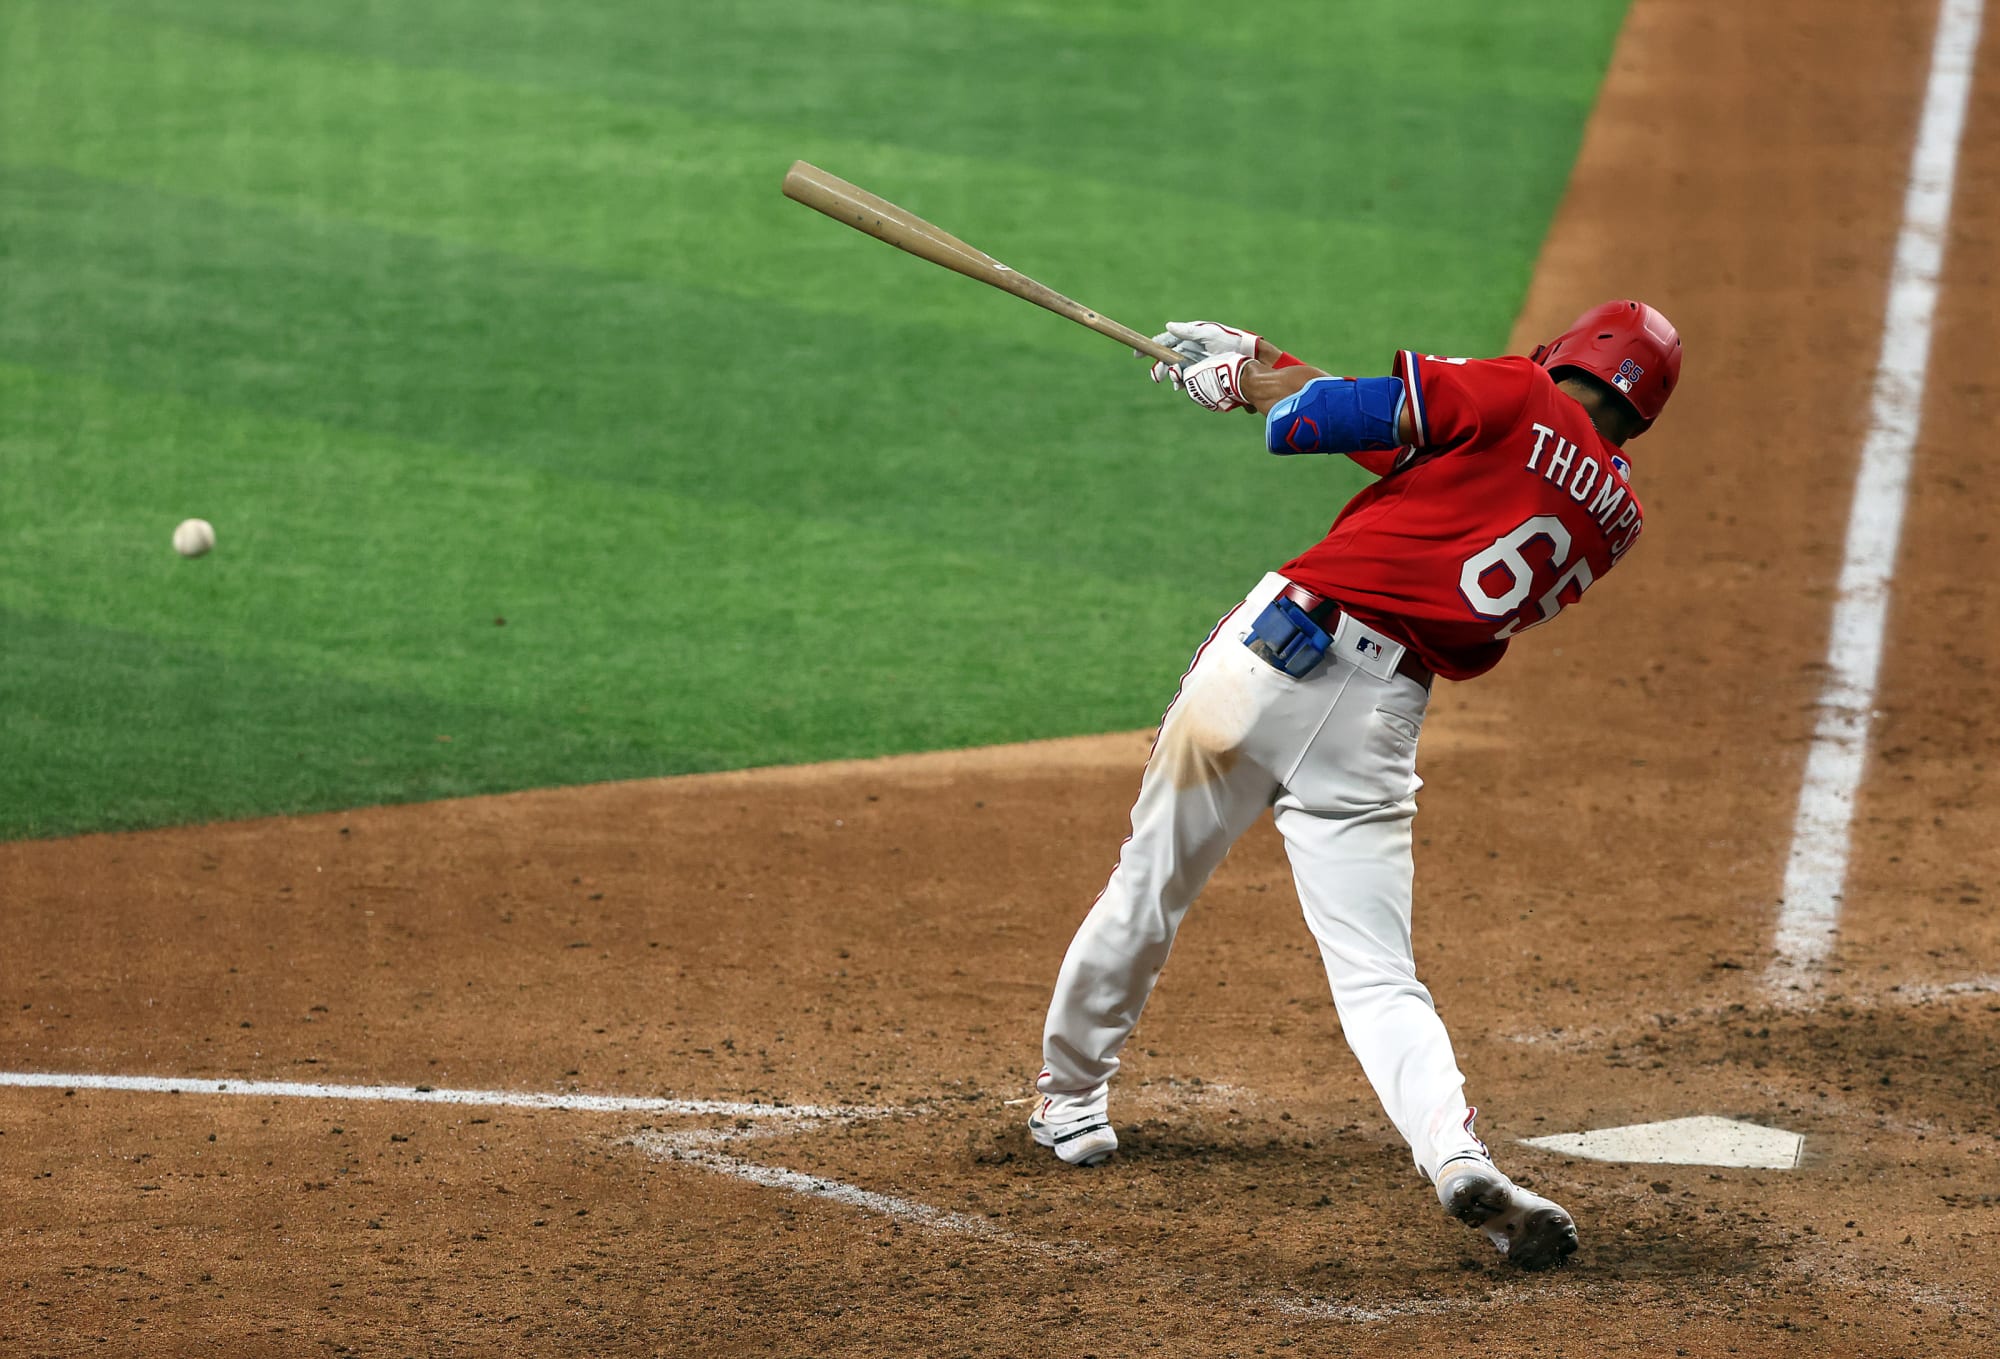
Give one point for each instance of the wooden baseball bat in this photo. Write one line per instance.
(862, 210)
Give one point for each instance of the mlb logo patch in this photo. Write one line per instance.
(1628, 373)
(1368, 647)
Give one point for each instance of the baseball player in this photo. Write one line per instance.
(1502, 496)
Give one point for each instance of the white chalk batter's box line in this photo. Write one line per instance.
(426, 1094)
(697, 1147)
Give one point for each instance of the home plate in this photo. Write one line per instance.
(1703, 1141)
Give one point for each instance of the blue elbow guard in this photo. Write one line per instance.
(1337, 415)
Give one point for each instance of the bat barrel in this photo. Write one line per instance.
(866, 212)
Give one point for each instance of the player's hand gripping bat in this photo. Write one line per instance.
(885, 221)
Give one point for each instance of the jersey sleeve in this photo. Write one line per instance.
(1452, 400)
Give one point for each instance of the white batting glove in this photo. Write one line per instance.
(1208, 338)
(1215, 383)
(1201, 340)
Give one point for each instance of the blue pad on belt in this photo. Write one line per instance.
(1285, 637)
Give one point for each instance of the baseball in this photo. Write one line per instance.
(194, 537)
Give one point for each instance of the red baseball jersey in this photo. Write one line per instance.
(1503, 512)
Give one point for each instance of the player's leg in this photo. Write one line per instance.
(1346, 821)
(1346, 824)
(1179, 836)
(1201, 790)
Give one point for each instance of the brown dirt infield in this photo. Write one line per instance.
(1603, 837)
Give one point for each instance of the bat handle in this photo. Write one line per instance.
(1152, 350)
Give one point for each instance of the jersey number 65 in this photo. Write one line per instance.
(1497, 581)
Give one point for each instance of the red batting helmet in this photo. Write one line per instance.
(1626, 344)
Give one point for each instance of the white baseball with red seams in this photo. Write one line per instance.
(193, 537)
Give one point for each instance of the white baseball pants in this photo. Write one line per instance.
(1333, 755)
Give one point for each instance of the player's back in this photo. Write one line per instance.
(1508, 507)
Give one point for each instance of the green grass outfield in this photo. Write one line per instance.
(453, 311)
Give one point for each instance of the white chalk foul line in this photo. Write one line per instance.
(424, 1094)
(1816, 870)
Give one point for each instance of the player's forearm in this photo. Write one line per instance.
(1265, 386)
(1340, 415)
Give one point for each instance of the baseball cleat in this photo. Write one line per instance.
(1531, 1231)
(1083, 1141)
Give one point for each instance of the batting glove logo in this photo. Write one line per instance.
(1213, 382)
